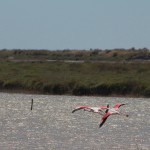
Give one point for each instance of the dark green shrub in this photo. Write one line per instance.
(101, 89)
(146, 92)
(81, 90)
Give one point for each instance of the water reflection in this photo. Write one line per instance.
(51, 125)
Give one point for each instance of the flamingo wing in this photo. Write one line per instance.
(104, 118)
(80, 107)
(102, 107)
(118, 105)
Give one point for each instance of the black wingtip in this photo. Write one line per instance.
(107, 108)
(100, 125)
(73, 111)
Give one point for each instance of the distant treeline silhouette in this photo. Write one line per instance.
(76, 55)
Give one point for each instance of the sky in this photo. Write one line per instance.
(74, 24)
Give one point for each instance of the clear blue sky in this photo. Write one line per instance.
(74, 24)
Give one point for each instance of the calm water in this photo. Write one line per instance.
(52, 126)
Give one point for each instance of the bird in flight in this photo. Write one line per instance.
(91, 109)
(111, 111)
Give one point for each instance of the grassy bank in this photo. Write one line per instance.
(89, 78)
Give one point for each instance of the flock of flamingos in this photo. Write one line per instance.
(105, 111)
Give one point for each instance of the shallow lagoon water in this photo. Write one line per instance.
(52, 126)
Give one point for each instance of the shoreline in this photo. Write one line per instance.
(20, 91)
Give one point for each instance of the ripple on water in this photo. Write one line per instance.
(51, 125)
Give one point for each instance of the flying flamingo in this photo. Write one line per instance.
(111, 111)
(91, 109)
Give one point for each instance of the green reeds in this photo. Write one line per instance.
(89, 78)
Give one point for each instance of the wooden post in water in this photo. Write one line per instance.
(31, 104)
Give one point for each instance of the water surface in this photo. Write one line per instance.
(52, 126)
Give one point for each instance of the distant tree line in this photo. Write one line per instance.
(76, 55)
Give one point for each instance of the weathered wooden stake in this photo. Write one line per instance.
(31, 104)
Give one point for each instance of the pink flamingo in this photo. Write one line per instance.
(91, 109)
(111, 111)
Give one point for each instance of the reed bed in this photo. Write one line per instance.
(87, 78)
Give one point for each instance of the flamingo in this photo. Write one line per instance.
(91, 109)
(111, 111)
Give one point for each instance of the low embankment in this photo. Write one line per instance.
(88, 78)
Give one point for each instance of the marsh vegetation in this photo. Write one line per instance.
(87, 78)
